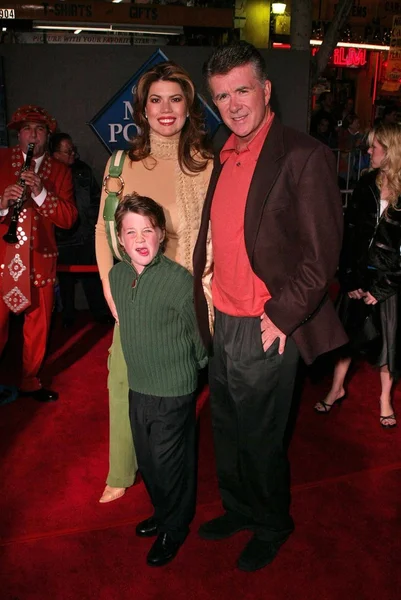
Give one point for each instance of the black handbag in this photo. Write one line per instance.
(361, 321)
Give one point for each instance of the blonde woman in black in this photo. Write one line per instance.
(370, 272)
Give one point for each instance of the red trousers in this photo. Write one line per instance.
(36, 331)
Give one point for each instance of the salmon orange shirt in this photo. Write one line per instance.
(236, 290)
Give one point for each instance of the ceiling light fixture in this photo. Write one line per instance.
(355, 45)
(172, 30)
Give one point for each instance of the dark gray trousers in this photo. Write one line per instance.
(251, 395)
(164, 430)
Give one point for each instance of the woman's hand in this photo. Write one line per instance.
(109, 299)
(357, 294)
(369, 299)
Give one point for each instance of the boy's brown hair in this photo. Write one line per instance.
(141, 205)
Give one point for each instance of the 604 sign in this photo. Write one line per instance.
(7, 13)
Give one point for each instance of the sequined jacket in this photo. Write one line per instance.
(58, 209)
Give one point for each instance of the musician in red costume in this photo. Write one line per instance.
(28, 268)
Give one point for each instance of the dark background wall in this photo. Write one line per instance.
(74, 82)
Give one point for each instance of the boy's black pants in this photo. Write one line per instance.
(164, 432)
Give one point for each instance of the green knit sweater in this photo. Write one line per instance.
(159, 335)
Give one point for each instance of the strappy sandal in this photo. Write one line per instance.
(392, 418)
(327, 407)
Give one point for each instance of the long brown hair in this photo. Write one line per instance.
(193, 149)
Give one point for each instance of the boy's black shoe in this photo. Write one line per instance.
(147, 528)
(41, 395)
(224, 526)
(163, 550)
(258, 554)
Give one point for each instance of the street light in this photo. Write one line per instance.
(278, 8)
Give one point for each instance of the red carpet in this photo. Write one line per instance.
(58, 543)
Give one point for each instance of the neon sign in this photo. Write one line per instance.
(347, 57)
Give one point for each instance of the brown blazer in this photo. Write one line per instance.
(293, 233)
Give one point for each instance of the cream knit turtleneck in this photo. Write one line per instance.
(159, 177)
(164, 147)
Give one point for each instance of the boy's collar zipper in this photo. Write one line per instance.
(137, 275)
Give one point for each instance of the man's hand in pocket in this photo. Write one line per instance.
(270, 333)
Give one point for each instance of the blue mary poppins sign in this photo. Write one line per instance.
(113, 124)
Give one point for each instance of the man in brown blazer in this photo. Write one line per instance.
(276, 221)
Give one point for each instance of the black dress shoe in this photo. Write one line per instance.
(8, 393)
(224, 526)
(258, 554)
(147, 528)
(105, 320)
(163, 550)
(41, 395)
(68, 322)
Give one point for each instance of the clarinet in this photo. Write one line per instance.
(11, 236)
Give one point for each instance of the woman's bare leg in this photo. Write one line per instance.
(337, 387)
(386, 408)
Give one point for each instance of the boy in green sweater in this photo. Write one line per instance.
(163, 351)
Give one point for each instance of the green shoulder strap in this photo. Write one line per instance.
(112, 200)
